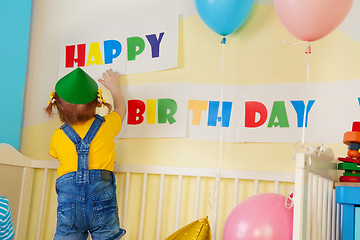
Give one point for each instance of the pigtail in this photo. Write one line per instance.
(51, 104)
(49, 110)
(102, 101)
(108, 105)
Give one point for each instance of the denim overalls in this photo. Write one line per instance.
(87, 199)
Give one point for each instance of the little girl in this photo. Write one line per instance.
(85, 148)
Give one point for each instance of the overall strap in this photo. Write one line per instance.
(82, 147)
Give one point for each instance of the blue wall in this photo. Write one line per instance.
(14, 41)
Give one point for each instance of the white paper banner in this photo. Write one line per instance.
(155, 111)
(206, 112)
(258, 113)
(328, 115)
(134, 47)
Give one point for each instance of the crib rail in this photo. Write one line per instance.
(198, 174)
(180, 173)
(170, 197)
(315, 209)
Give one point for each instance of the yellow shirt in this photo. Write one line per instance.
(102, 148)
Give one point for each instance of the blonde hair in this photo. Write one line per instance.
(74, 113)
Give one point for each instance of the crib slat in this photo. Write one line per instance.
(236, 191)
(42, 201)
(55, 219)
(55, 222)
(126, 199)
(324, 209)
(178, 202)
(142, 209)
(329, 210)
(312, 206)
(24, 204)
(314, 221)
(256, 187)
(197, 198)
(276, 186)
(333, 215)
(319, 208)
(159, 213)
(300, 210)
(215, 210)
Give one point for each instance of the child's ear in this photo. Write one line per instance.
(99, 105)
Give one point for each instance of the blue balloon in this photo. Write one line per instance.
(224, 16)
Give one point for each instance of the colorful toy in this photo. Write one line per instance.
(350, 164)
(263, 216)
(348, 198)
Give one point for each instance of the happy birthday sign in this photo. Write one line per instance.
(111, 50)
(259, 113)
(135, 47)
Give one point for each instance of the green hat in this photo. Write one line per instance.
(77, 87)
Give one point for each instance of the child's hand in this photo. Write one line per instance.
(110, 80)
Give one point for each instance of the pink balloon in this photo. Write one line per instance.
(260, 217)
(310, 20)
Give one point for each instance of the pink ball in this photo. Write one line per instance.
(260, 217)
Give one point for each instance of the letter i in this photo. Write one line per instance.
(150, 111)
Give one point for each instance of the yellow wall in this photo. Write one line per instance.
(255, 54)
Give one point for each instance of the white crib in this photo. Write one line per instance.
(315, 209)
(155, 201)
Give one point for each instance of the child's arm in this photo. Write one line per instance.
(111, 81)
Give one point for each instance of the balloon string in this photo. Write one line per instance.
(308, 64)
(221, 100)
(308, 51)
(215, 190)
(289, 202)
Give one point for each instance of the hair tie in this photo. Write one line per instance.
(100, 97)
(52, 99)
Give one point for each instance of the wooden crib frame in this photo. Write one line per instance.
(314, 193)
